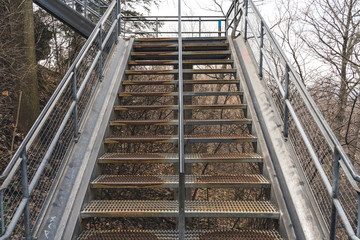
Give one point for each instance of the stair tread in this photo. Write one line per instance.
(176, 107)
(157, 208)
(175, 138)
(187, 122)
(172, 82)
(175, 62)
(184, 39)
(174, 71)
(207, 93)
(184, 53)
(108, 181)
(174, 235)
(173, 157)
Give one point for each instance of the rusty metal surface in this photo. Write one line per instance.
(173, 157)
(175, 82)
(189, 138)
(164, 94)
(173, 235)
(164, 208)
(172, 72)
(172, 181)
(186, 122)
(185, 39)
(175, 62)
(175, 107)
(186, 55)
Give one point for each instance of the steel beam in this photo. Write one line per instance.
(68, 16)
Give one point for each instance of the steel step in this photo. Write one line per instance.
(174, 158)
(185, 71)
(185, 39)
(164, 94)
(172, 181)
(188, 138)
(186, 122)
(154, 208)
(175, 82)
(176, 107)
(174, 235)
(186, 55)
(174, 46)
(176, 62)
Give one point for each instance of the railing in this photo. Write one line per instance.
(30, 176)
(161, 26)
(328, 170)
(91, 9)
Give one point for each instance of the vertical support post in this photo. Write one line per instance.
(226, 26)
(76, 126)
(101, 52)
(181, 219)
(199, 26)
(286, 109)
(157, 27)
(358, 217)
(118, 17)
(335, 191)
(219, 28)
(261, 50)
(246, 19)
(2, 211)
(25, 189)
(85, 8)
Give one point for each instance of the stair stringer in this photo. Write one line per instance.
(62, 216)
(299, 216)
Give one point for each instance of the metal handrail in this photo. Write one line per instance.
(340, 159)
(19, 159)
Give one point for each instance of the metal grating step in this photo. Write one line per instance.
(188, 138)
(172, 181)
(174, 235)
(186, 122)
(176, 62)
(185, 39)
(175, 82)
(185, 71)
(176, 107)
(164, 94)
(186, 55)
(174, 157)
(145, 208)
(174, 46)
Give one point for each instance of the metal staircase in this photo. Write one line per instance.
(179, 138)
(144, 135)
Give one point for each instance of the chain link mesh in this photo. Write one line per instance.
(41, 141)
(274, 74)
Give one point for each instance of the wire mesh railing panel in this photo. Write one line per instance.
(45, 148)
(315, 145)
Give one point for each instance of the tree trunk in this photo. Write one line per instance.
(27, 65)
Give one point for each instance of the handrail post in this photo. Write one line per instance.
(25, 190)
(219, 28)
(101, 52)
(85, 8)
(335, 192)
(74, 87)
(2, 211)
(199, 26)
(226, 26)
(157, 27)
(181, 220)
(261, 50)
(286, 109)
(118, 17)
(246, 19)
